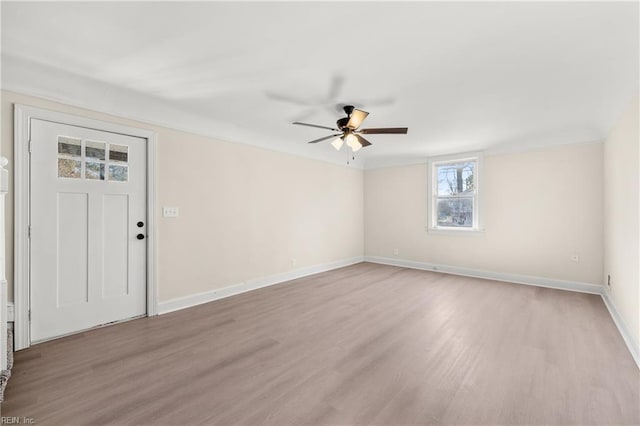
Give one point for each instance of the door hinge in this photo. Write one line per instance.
(29, 232)
(29, 145)
(29, 313)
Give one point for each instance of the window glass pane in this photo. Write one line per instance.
(95, 150)
(69, 146)
(456, 178)
(118, 153)
(69, 168)
(118, 173)
(94, 170)
(455, 212)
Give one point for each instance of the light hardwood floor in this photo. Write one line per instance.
(366, 344)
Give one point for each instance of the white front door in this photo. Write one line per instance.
(88, 220)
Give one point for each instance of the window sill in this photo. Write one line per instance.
(455, 231)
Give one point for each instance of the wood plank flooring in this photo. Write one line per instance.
(366, 344)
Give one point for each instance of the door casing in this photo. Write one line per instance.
(22, 183)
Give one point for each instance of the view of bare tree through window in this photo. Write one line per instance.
(455, 193)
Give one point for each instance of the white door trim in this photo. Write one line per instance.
(22, 124)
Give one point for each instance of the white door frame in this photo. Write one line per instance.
(22, 182)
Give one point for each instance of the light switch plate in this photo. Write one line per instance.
(170, 212)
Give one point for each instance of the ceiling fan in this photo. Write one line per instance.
(348, 130)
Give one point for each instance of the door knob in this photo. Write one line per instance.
(140, 236)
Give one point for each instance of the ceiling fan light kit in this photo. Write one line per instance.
(348, 133)
(352, 142)
(337, 143)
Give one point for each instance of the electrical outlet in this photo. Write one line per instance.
(170, 211)
(396, 252)
(575, 258)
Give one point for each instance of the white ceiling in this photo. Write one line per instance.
(461, 76)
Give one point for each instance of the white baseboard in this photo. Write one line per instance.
(632, 345)
(253, 284)
(489, 275)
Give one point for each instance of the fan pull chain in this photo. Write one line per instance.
(353, 157)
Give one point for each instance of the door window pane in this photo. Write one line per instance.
(95, 150)
(118, 159)
(118, 153)
(95, 154)
(69, 168)
(93, 160)
(69, 147)
(118, 173)
(94, 170)
(69, 157)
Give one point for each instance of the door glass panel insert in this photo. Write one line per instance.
(69, 157)
(95, 154)
(119, 153)
(69, 147)
(118, 173)
(118, 163)
(95, 150)
(69, 168)
(94, 171)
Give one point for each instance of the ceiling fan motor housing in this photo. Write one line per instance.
(342, 123)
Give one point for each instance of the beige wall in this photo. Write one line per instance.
(622, 219)
(245, 212)
(540, 207)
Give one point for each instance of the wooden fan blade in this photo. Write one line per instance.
(325, 138)
(385, 130)
(363, 141)
(315, 125)
(356, 118)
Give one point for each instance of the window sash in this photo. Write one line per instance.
(476, 159)
(436, 225)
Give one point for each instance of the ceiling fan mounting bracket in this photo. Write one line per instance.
(348, 109)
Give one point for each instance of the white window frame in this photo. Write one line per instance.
(432, 194)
